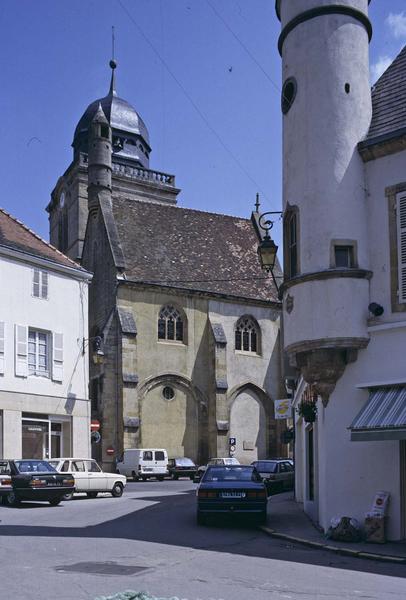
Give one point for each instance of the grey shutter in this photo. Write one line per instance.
(35, 283)
(401, 235)
(44, 284)
(57, 357)
(2, 342)
(21, 350)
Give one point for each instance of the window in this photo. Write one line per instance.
(246, 335)
(288, 94)
(291, 256)
(170, 325)
(168, 392)
(159, 455)
(147, 455)
(40, 284)
(38, 353)
(344, 256)
(401, 239)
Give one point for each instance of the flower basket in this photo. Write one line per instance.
(307, 410)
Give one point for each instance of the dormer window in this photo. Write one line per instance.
(40, 284)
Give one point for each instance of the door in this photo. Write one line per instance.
(81, 475)
(97, 479)
(35, 439)
(160, 462)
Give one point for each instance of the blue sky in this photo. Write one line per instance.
(203, 74)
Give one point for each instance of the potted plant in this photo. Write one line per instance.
(307, 410)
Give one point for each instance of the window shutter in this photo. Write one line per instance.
(2, 335)
(57, 360)
(21, 348)
(35, 283)
(401, 231)
(44, 285)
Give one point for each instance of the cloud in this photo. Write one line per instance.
(397, 23)
(379, 67)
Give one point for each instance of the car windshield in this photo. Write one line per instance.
(34, 466)
(184, 462)
(231, 474)
(266, 466)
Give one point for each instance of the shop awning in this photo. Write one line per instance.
(383, 417)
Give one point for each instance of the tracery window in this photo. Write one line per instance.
(170, 324)
(247, 335)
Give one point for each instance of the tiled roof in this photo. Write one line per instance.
(184, 248)
(17, 236)
(388, 100)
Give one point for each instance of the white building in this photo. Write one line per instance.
(44, 406)
(344, 294)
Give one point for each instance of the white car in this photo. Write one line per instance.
(89, 478)
(228, 460)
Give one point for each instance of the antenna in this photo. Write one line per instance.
(112, 42)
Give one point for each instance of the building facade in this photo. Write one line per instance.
(189, 324)
(344, 297)
(44, 403)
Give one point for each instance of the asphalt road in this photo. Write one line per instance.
(148, 540)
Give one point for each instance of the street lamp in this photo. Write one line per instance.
(267, 248)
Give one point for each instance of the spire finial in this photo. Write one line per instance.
(113, 65)
(257, 203)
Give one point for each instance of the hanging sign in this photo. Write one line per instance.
(283, 408)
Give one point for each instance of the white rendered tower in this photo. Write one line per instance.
(326, 105)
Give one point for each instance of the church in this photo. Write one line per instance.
(344, 290)
(183, 324)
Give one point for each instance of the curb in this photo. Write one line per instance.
(400, 560)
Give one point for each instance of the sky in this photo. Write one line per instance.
(203, 74)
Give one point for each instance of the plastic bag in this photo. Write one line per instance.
(344, 529)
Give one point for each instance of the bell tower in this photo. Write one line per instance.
(326, 106)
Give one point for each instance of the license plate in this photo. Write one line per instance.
(147, 469)
(233, 494)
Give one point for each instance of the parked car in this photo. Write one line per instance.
(228, 460)
(278, 474)
(143, 463)
(233, 490)
(37, 480)
(181, 467)
(89, 478)
(5, 479)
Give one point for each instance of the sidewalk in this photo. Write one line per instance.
(287, 521)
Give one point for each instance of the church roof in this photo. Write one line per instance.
(185, 248)
(120, 114)
(388, 101)
(15, 235)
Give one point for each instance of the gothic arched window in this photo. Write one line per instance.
(247, 335)
(170, 324)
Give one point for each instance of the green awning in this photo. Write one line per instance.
(383, 417)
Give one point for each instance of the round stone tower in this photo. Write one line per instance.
(99, 159)
(326, 105)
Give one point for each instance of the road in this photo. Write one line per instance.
(148, 540)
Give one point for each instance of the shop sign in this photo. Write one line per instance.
(283, 408)
(94, 425)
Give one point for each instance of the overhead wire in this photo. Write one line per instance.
(191, 100)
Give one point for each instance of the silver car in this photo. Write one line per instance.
(278, 474)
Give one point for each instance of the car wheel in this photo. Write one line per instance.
(12, 500)
(117, 490)
(200, 519)
(91, 494)
(143, 478)
(55, 501)
(67, 496)
(192, 477)
(134, 476)
(160, 477)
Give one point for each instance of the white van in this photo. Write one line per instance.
(143, 463)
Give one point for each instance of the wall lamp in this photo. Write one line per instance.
(97, 348)
(376, 309)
